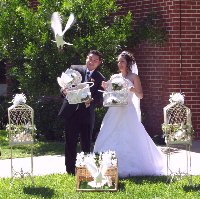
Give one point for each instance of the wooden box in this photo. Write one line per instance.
(83, 177)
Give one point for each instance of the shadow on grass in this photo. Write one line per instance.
(189, 188)
(39, 191)
(48, 148)
(146, 179)
(42, 148)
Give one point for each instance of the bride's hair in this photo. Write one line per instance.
(129, 59)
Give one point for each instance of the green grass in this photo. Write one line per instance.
(39, 148)
(62, 186)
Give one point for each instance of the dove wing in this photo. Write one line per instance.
(70, 22)
(92, 168)
(103, 169)
(56, 24)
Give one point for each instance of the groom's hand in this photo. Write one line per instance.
(87, 103)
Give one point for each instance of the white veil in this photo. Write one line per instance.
(135, 99)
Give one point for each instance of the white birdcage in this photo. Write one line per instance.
(77, 92)
(21, 129)
(116, 93)
(80, 93)
(177, 129)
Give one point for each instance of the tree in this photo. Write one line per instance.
(26, 39)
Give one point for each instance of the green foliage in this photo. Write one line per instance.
(3, 112)
(26, 39)
(149, 28)
(27, 42)
(49, 126)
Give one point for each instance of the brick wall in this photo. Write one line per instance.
(172, 67)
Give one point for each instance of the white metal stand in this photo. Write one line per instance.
(21, 132)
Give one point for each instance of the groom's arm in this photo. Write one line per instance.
(96, 94)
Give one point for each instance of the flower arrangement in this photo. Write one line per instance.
(177, 97)
(20, 133)
(18, 99)
(108, 157)
(177, 132)
(117, 82)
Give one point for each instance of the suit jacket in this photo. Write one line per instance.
(67, 109)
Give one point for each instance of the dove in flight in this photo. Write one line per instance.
(56, 25)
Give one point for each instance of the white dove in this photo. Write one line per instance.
(56, 25)
(98, 174)
(64, 80)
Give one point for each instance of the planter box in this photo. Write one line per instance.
(83, 176)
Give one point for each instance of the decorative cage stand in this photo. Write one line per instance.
(177, 129)
(21, 131)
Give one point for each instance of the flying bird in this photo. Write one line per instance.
(56, 25)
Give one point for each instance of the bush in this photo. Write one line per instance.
(3, 112)
(49, 127)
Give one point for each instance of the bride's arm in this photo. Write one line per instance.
(137, 88)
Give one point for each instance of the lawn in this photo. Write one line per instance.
(64, 186)
(61, 186)
(39, 148)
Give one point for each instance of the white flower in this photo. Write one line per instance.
(113, 100)
(18, 99)
(177, 97)
(179, 134)
(118, 81)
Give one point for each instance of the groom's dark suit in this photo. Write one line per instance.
(79, 120)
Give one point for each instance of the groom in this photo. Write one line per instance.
(79, 118)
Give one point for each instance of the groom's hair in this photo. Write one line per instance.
(96, 52)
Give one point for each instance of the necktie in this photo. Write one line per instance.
(87, 76)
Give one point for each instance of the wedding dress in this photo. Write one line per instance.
(122, 132)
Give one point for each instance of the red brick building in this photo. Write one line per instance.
(175, 66)
(172, 67)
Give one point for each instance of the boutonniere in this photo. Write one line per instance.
(92, 80)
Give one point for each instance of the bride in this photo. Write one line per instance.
(121, 130)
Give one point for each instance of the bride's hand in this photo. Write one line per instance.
(63, 91)
(132, 89)
(104, 85)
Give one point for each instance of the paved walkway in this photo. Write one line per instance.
(44, 165)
